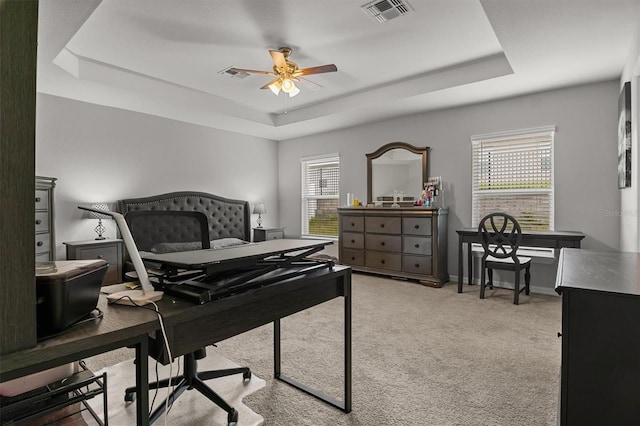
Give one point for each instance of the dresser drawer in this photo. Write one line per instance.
(417, 264)
(43, 243)
(352, 257)
(42, 257)
(381, 224)
(352, 240)
(352, 223)
(382, 260)
(42, 199)
(42, 221)
(416, 245)
(391, 243)
(108, 254)
(416, 225)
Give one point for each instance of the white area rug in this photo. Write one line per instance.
(191, 408)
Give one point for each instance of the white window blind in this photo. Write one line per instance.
(513, 173)
(320, 195)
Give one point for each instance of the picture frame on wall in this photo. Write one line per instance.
(624, 136)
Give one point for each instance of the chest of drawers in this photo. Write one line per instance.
(44, 220)
(403, 242)
(108, 250)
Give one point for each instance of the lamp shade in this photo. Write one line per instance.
(99, 206)
(259, 208)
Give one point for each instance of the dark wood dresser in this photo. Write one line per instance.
(407, 242)
(600, 374)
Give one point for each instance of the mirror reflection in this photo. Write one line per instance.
(396, 169)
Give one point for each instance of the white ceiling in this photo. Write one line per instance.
(164, 57)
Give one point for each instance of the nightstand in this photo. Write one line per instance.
(266, 234)
(109, 250)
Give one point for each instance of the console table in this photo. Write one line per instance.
(549, 239)
(600, 373)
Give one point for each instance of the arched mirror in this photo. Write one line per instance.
(396, 167)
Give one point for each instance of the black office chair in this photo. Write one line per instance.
(501, 235)
(162, 231)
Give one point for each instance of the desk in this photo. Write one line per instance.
(120, 327)
(550, 239)
(127, 326)
(230, 316)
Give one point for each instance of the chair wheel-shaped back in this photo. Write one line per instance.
(501, 236)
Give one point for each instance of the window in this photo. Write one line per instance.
(320, 195)
(513, 173)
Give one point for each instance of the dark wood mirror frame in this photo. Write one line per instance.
(424, 151)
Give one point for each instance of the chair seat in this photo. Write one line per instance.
(522, 259)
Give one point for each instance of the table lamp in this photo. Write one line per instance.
(259, 209)
(94, 214)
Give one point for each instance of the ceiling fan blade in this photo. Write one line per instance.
(252, 71)
(315, 70)
(266, 86)
(305, 83)
(278, 59)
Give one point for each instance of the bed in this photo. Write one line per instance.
(229, 220)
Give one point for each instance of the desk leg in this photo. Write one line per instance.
(460, 262)
(142, 382)
(470, 263)
(277, 370)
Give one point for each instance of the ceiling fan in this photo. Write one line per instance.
(286, 72)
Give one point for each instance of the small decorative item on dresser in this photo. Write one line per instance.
(259, 209)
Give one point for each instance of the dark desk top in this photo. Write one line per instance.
(228, 257)
(610, 272)
(532, 234)
(119, 324)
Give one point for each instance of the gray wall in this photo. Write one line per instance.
(105, 154)
(585, 160)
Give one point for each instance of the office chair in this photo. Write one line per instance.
(164, 231)
(501, 235)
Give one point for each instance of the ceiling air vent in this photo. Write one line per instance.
(233, 74)
(385, 10)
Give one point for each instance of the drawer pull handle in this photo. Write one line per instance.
(38, 221)
(353, 224)
(382, 261)
(353, 241)
(38, 199)
(417, 245)
(382, 243)
(39, 243)
(353, 258)
(417, 265)
(382, 225)
(417, 226)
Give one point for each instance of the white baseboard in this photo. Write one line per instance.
(453, 279)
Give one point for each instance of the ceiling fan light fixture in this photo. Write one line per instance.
(289, 87)
(275, 87)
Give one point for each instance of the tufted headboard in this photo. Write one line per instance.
(227, 218)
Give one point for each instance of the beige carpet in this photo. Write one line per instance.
(421, 356)
(191, 408)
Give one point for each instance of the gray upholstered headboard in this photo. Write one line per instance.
(227, 218)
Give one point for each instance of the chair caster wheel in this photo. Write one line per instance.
(232, 418)
(246, 376)
(129, 396)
